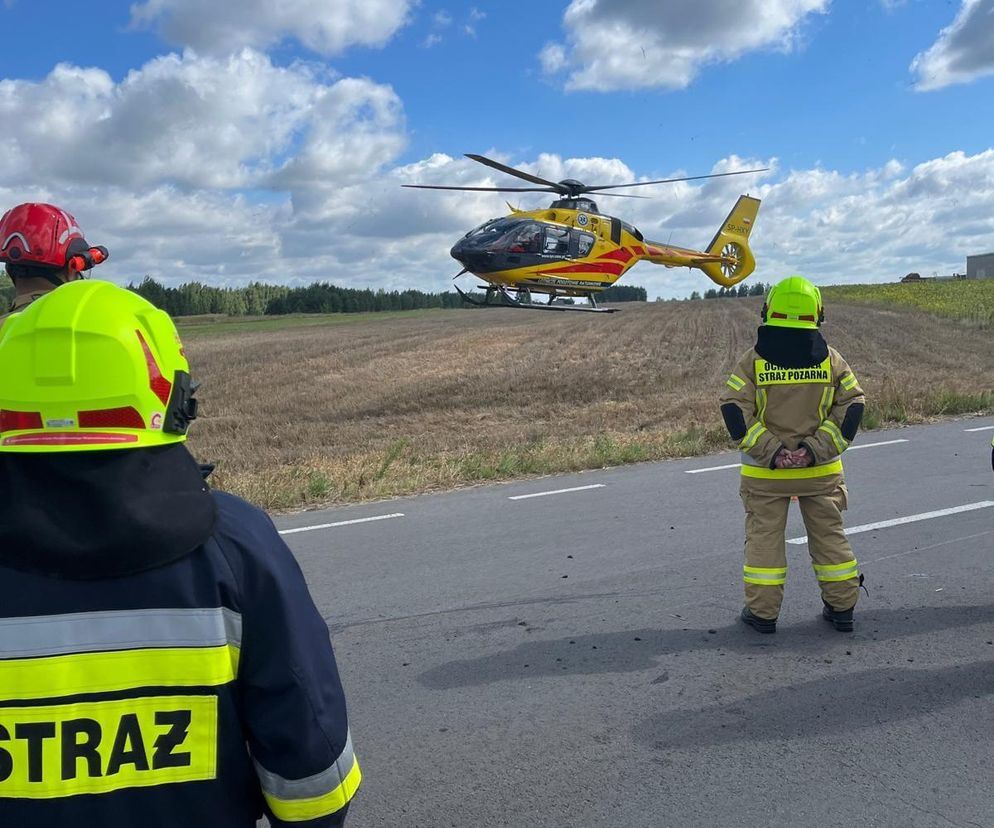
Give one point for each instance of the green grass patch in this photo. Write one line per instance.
(970, 301)
(404, 471)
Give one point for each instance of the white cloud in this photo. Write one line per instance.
(192, 122)
(325, 26)
(631, 44)
(963, 52)
(231, 170)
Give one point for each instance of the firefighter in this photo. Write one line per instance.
(161, 660)
(43, 247)
(793, 405)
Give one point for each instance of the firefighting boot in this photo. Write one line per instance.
(763, 625)
(840, 619)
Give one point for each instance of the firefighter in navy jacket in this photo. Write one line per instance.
(161, 660)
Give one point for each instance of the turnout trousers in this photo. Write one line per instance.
(822, 501)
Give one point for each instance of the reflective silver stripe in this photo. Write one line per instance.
(311, 786)
(86, 632)
(765, 576)
(11, 237)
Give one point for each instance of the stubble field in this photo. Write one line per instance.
(347, 408)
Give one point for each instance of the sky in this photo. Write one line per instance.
(258, 141)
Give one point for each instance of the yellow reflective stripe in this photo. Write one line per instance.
(109, 672)
(752, 435)
(301, 810)
(848, 382)
(764, 576)
(839, 567)
(98, 747)
(827, 397)
(832, 430)
(835, 467)
(836, 572)
(761, 400)
(735, 382)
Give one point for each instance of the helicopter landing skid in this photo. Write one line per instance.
(510, 302)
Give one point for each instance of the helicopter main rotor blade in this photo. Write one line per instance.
(482, 189)
(670, 180)
(621, 195)
(517, 173)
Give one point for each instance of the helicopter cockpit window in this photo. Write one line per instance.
(556, 241)
(494, 227)
(585, 241)
(525, 239)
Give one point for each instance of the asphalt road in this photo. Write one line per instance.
(574, 659)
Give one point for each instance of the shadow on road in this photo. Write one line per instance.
(633, 650)
(872, 698)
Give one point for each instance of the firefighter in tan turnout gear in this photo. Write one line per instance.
(793, 405)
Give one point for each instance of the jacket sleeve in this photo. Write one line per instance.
(841, 413)
(738, 409)
(293, 703)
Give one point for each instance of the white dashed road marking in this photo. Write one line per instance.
(558, 491)
(982, 428)
(884, 524)
(340, 523)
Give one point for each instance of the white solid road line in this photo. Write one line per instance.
(712, 468)
(339, 523)
(982, 428)
(874, 445)
(558, 491)
(851, 448)
(883, 524)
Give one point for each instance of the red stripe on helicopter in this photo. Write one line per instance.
(638, 250)
(590, 267)
(622, 255)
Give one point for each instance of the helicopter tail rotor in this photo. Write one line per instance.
(733, 260)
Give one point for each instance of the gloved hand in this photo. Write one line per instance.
(797, 459)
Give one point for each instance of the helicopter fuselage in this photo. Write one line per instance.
(567, 249)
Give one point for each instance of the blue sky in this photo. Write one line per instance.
(291, 130)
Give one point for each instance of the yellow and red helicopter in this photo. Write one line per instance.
(571, 249)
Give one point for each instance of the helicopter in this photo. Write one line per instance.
(572, 250)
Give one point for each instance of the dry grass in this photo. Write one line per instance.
(330, 412)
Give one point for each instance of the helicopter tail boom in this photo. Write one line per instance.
(733, 260)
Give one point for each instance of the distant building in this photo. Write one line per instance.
(980, 267)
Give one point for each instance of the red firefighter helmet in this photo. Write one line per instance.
(43, 235)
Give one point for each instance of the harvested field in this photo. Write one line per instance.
(330, 412)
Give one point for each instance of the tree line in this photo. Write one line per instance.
(259, 299)
(754, 289)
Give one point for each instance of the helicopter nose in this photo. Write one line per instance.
(460, 252)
